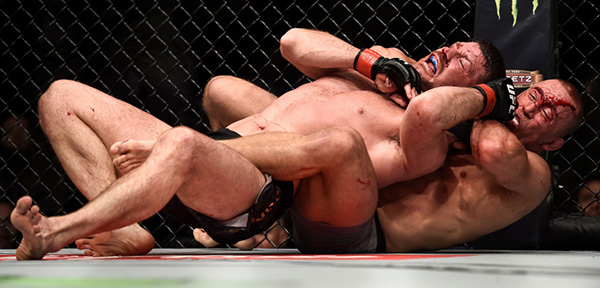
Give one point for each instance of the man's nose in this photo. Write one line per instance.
(449, 52)
(529, 109)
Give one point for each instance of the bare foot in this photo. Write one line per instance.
(130, 240)
(35, 228)
(130, 154)
(201, 236)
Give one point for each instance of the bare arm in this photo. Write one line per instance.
(317, 53)
(423, 138)
(499, 152)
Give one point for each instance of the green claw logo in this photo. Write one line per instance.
(514, 10)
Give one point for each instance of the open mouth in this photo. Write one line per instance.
(434, 62)
(514, 121)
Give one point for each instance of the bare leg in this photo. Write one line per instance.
(339, 184)
(338, 180)
(81, 124)
(228, 99)
(182, 162)
(277, 235)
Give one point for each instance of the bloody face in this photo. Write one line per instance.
(545, 112)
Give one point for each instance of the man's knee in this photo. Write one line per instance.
(54, 92)
(178, 147)
(55, 96)
(342, 144)
(213, 91)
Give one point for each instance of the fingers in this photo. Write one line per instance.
(410, 91)
(399, 99)
(384, 84)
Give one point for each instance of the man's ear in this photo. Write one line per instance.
(553, 145)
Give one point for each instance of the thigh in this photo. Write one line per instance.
(221, 183)
(113, 119)
(345, 192)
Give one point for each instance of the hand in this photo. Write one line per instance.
(499, 100)
(371, 64)
(402, 99)
(398, 71)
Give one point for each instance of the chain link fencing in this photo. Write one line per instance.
(158, 55)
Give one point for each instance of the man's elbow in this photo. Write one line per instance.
(428, 110)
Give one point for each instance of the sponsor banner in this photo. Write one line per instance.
(523, 31)
(524, 78)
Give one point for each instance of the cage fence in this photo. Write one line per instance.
(158, 55)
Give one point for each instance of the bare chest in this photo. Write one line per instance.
(309, 110)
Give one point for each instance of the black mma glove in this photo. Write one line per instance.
(370, 63)
(499, 100)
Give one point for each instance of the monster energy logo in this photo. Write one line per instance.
(514, 9)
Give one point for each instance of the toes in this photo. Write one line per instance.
(36, 229)
(201, 236)
(114, 149)
(35, 209)
(37, 218)
(117, 148)
(247, 244)
(82, 244)
(117, 161)
(124, 163)
(23, 205)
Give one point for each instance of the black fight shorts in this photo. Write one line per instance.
(273, 201)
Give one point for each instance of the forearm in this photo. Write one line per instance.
(317, 53)
(423, 133)
(500, 153)
(443, 108)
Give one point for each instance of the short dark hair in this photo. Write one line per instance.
(494, 62)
